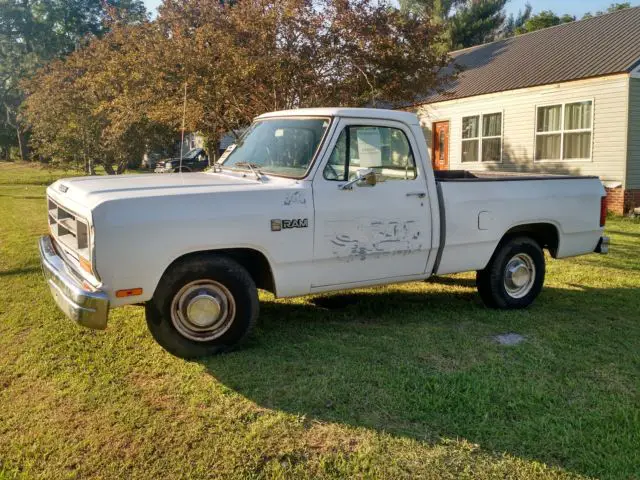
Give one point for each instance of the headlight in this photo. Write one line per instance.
(168, 165)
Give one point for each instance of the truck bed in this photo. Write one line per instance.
(478, 209)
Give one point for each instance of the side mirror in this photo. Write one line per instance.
(365, 178)
(368, 178)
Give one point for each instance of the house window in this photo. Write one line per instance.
(482, 138)
(563, 131)
(470, 138)
(492, 137)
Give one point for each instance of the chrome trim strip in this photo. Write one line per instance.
(86, 307)
(443, 229)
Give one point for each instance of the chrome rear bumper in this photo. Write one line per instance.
(603, 245)
(86, 307)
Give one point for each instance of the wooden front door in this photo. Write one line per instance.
(440, 146)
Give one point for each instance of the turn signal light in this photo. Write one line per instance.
(603, 211)
(130, 292)
(86, 265)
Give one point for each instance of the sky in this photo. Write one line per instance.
(572, 7)
(152, 5)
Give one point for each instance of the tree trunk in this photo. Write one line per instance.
(122, 166)
(24, 152)
(108, 168)
(89, 166)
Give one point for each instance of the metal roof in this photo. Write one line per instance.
(597, 46)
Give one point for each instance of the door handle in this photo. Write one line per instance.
(416, 194)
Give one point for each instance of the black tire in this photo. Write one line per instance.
(182, 170)
(495, 284)
(219, 271)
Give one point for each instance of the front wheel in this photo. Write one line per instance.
(203, 306)
(514, 276)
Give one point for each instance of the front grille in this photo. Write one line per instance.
(69, 230)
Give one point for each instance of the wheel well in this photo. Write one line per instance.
(252, 260)
(545, 234)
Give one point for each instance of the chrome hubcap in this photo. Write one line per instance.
(203, 310)
(520, 274)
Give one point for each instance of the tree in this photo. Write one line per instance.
(33, 32)
(7, 140)
(512, 24)
(440, 10)
(295, 53)
(476, 22)
(544, 19)
(548, 18)
(256, 56)
(467, 22)
(77, 107)
(611, 8)
(236, 61)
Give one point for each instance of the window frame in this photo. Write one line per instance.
(481, 137)
(562, 131)
(348, 127)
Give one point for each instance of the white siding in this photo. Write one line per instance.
(609, 140)
(633, 168)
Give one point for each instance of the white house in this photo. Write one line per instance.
(565, 99)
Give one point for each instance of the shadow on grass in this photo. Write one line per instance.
(626, 234)
(425, 365)
(23, 197)
(623, 257)
(453, 281)
(19, 271)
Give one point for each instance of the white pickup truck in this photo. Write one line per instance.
(307, 201)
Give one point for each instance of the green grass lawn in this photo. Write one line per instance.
(404, 381)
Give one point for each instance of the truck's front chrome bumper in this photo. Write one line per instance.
(86, 307)
(603, 245)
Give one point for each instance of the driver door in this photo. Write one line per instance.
(369, 232)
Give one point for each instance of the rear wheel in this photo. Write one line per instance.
(514, 276)
(203, 306)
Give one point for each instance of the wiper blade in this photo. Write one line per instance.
(255, 168)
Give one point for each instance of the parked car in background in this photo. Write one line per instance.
(194, 160)
(150, 160)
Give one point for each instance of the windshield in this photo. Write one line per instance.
(281, 146)
(191, 154)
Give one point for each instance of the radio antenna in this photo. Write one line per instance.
(184, 114)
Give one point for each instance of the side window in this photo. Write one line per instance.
(336, 168)
(385, 150)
